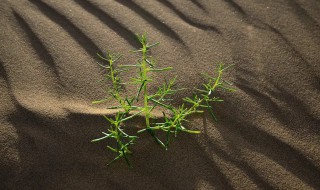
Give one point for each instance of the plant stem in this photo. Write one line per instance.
(116, 84)
(216, 83)
(145, 79)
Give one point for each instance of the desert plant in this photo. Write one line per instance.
(174, 118)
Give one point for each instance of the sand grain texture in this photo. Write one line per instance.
(268, 134)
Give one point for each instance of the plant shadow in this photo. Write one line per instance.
(57, 154)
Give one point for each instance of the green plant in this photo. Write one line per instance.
(173, 119)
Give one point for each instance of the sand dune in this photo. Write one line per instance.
(268, 133)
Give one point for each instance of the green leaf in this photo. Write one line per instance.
(108, 119)
(130, 117)
(117, 58)
(101, 57)
(113, 149)
(104, 66)
(160, 70)
(210, 111)
(189, 100)
(99, 139)
(126, 158)
(191, 131)
(100, 101)
(114, 107)
(140, 89)
(150, 63)
(129, 66)
(117, 158)
(161, 104)
(157, 140)
(228, 89)
(152, 45)
(222, 69)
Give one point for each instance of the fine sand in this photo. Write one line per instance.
(268, 131)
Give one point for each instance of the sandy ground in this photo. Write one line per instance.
(268, 133)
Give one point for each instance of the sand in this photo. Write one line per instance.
(268, 131)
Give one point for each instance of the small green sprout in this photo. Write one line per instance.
(174, 118)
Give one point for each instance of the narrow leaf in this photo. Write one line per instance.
(163, 69)
(117, 158)
(113, 149)
(161, 104)
(100, 101)
(127, 118)
(99, 139)
(152, 45)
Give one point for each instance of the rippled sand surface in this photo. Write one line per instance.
(268, 133)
